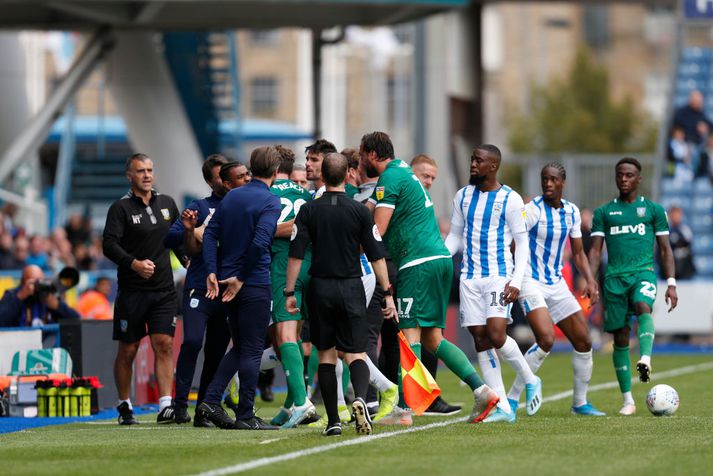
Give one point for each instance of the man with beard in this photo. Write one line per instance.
(487, 217)
(403, 213)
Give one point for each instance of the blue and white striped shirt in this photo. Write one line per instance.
(487, 222)
(548, 229)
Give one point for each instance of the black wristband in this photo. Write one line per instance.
(287, 293)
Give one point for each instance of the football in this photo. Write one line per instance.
(662, 400)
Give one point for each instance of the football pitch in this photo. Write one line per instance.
(552, 442)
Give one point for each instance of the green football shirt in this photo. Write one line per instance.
(413, 235)
(629, 230)
(350, 190)
(292, 197)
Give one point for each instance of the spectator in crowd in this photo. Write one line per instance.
(680, 156)
(693, 120)
(78, 230)
(7, 260)
(681, 236)
(38, 253)
(20, 253)
(27, 305)
(705, 162)
(83, 257)
(94, 303)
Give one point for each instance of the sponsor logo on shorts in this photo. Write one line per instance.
(175, 319)
(194, 303)
(124, 325)
(166, 214)
(379, 193)
(641, 212)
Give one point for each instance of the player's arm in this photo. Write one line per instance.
(591, 291)
(382, 217)
(667, 261)
(515, 218)
(669, 270)
(284, 229)
(371, 243)
(299, 241)
(454, 240)
(595, 252)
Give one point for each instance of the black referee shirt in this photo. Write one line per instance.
(336, 225)
(136, 231)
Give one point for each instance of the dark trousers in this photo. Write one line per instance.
(249, 316)
(389, 359)
(201, 317)
(374, 320)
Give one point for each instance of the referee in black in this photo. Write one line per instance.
(147, 302)
(338, 226)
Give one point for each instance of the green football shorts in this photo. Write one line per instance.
(620, 295)
(278, 275)
(422, 294)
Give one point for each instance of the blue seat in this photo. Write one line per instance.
(702, 204)
(703, 244)
(702, 186)
(693, 53)
(704, 265)
(701, 223)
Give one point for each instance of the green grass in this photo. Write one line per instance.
(552, 442)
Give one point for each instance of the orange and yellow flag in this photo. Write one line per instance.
(420, 390)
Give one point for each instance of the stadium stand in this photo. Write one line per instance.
(694, 72)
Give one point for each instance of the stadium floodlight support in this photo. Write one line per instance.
(38, 128)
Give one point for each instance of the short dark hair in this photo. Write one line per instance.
(264, 162)
(491, 150)
(287, 160)
(334, 169)
(210, 163)
(322, 146)
(352, 156)
(558, 166)
(631, 161)
(378, 142)
(226, 168)
(138, 156)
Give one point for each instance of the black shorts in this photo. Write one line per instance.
(337, 314)
(138, 313)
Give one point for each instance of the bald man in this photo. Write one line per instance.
(25, 307)
(692, 118)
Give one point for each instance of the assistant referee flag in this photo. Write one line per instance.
(420, 390)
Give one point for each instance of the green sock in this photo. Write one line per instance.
(312, 365)
(416, 350)
(346, 377)
(458, 363)
(646, 334)
(622, 367)
(294, 372)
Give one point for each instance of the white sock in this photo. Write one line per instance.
(164, 402)
(628, 398)
(376, 378)
(128, 402)
(269, 359)
(493, 377)
(582, 365)
(339, 369)
(512, 355)
(646, 359)
(534, 358)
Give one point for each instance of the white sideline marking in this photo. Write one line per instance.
(238, 468)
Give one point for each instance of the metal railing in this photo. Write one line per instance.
(590, 177)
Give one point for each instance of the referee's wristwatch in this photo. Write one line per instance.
(387, 292)
(287, 293)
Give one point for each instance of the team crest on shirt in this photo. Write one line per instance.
(166, 214)
(379, 193)
(497, 207)
(641, 211)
